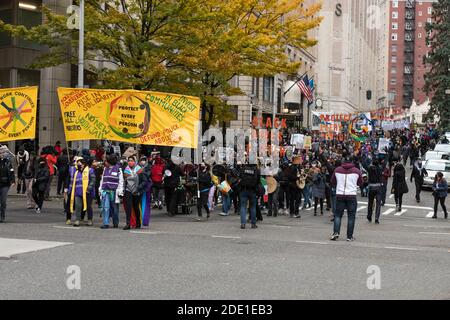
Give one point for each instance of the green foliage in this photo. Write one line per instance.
(437, 80)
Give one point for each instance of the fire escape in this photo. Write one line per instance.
(408, 72)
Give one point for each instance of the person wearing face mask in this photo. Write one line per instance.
(7, 180)
(132, 197)
(92, 194)
(204, 183)
(440, 190)
(81, 184)
(418, 173)
(111, 191)
(145, 190)
(40, 182)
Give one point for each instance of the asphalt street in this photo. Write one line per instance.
(180, 258)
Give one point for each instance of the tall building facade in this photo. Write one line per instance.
(407, 48)
(349, 47)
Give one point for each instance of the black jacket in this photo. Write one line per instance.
(399, 182)
(7, 176)
(174, 180)
(418, 175)
(204, 180)
(42, 177)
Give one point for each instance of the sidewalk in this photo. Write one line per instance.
(13, 193)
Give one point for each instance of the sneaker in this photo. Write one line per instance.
(369, 219)
(90, 223)
(223, 214)
(315, 214)
(199, 219)
(116, 226)
(269, 215)
(297, 216)
(242, 226)
(37, 210)
(68, 222)
(351, 239)
(254, 226)
(104, 227)
(127, 227)
(332, 220)
(160, 207)
(334, 237)
(76, 223)
(377, 221)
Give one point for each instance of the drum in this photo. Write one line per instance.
(272, 184)
(168, 173)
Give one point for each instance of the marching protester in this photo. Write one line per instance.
(418, 173)
(375, 177)
(399, 185)
(28, 175)
(22, 158)
(250, 179)
(111, 191)
(62, 164)
(7, 180)
(295, 193)
(145, 191)
(171, 181)
(132, 196)
(40, 182)
(49, 154)
(82, 184)
(319, 187)
(385, 179)
(440, 191)
(92, 165)
(204, 183)
(157, 174)
(283, 195)
(346, 178)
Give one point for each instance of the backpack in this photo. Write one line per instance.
(249, 178)
(157, 173)
(5, 168)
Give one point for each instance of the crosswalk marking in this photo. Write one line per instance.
(361, 208)
(388, 211)
(430, 214)
(401, 212)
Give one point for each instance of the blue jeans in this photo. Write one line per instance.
(248, 196)
(333, 200)
(110, 208)
(226, 203)
(307, 193)
(341, 205)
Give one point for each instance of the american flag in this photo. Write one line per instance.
(303, 84)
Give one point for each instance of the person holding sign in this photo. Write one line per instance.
(111, 191)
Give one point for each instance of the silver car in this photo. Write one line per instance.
(433, 167)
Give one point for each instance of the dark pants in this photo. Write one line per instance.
(398, 199)
(132, 202)
(383, 193)
(48, 189)
(259, 216)
(62, 176)
(67, 207)
(3, 197)
(171, 200)
(418, 188)
(283, 197)
(248, 197)
(374, 197)
(442, 201)
(328, 197)
(295, 198)
(350, 205)
(202, 202)
(235, 200)
(38, 197)
(89, 210)
(21, 185)
(273, 203)
(316, 203)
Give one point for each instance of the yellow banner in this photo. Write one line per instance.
(18, 108)
(141, 117)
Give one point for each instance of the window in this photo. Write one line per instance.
(420, 13)
(394, 14)
(255, 87)
(394, 59)
(420, 24)
(395, 4)
(268, 87)
(419, 35)
(430, 10)
(6, 15)
(393, 82)
(394, 37)
(394, 26)
(394, 70)
(29, 16)
(394, 48)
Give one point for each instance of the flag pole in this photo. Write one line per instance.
(298, 79)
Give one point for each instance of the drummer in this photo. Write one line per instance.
(272, 187)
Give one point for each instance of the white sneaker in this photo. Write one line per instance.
(37, 210)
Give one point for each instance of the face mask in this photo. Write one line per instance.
(42, 165)
(143, 163)
(80, 167)
(131, 164)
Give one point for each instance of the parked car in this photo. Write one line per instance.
(433, 167)
(436, 155)
(442, 148)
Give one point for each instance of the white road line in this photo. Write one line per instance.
(312, 242)
(361, 208)
(309, 209)
(426, 227)
(436, 233)
(400, 248)
(388, 211)
(401, 212)
(71, 228)
(403, 206)
(146, 232)
(12, 247)
(430, 214)
(391, 196)
(226, 237)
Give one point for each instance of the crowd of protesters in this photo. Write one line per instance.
(326, 177)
